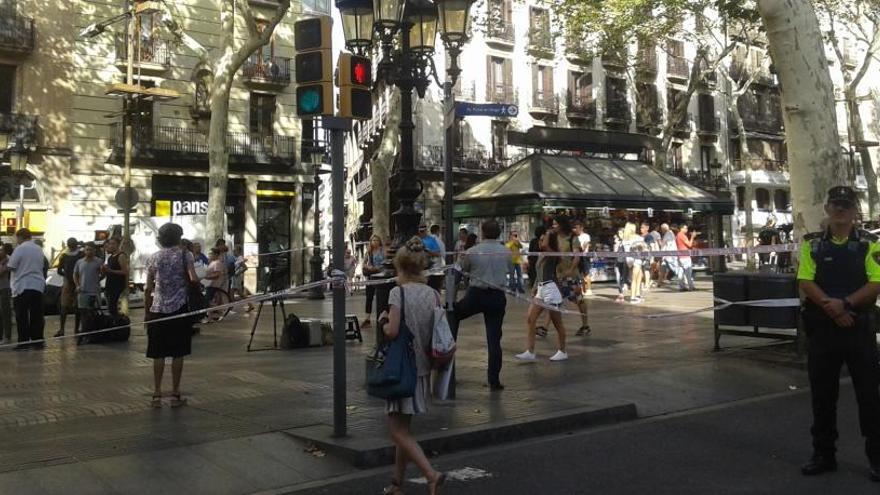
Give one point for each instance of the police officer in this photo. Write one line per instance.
(840, 276)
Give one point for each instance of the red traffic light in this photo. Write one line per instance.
(360, 72)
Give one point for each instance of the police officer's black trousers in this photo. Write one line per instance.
(830, 347)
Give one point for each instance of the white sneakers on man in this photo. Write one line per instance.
(559, 356)
(527, 356)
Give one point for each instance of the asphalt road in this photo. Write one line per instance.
(749, 447)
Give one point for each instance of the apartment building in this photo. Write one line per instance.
(515, 58)
(55, 101)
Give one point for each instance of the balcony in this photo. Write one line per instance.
(465, 91)
(19, 127)
(703, 179)
(501, 93)
(500, 32)
(646, 62)
(761, 164)
(468, 161)
(274, 71)
(741, 70)
(541, 42)
(617, 112)
(182, 146)
(16, 34)
(709, 126)
(756, 122)
(614, 61)
(580, 107)
(649, 120)
(544, 104)
(576, 50)
(677, 69)
(682, 128)
(152, 55)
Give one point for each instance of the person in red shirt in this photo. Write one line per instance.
(685, 265)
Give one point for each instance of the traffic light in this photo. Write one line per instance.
(355, 75)
(313, 66)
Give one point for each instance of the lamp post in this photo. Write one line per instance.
(408, 64)
(317, 259)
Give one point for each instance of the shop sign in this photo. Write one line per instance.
(167, 208)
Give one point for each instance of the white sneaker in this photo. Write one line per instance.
(527, 356)
(559, 356)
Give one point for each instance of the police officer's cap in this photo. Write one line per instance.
(843, 196)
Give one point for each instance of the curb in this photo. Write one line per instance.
(373, 451)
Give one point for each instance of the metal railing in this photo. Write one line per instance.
(761, 164)
(468, 160)
(16, 32)
(20, 127)
(613, 60)
(648, 118)
(465, 91)
(546, 101)
(579, 105)
(148, 138)
(275, 70)
(677, 67)
(501, 93)
(577, 48)
(684, 124)
(541, 40)
(501, 30)
(709, 124)
(702, 178)
(152, 50)
(618, 110)
(646, 60)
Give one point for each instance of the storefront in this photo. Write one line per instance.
(603, 193)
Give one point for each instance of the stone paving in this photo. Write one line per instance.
(72, 408)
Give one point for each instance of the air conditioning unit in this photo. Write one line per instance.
(861, 183)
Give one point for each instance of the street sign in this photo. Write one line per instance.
(127, 201)
(465, 109)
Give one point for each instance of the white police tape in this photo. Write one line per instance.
(776, 248)
(253, 299)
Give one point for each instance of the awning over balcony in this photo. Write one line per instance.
(540, 181)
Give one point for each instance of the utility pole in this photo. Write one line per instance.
(131, 41)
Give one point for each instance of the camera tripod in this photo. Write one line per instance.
(273, 287)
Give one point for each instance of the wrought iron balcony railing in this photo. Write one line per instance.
(541, 40)
(16, 33)
(501, 30)
(646, 61)
(152, 139)
(275, 70)
(468, 160)
(545, 102)
(677, 68)
(618, 110)
(761, 164)
(501, 93)
(702, 178)
(150, 50)
(709, 124)
(580, 106)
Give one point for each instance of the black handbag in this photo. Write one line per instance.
(393, 373)
(195, 298)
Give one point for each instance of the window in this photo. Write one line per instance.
(319, 6)
(262, 114)
(706, 155)
(500, 80)
(542, 81)
(740, 198)
(7, 88)
(781, 200)
(762, 198)
(676, 158)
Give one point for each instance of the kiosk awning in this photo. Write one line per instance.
(542, 180)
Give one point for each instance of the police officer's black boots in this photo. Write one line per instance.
(875, 469)
(819, 464)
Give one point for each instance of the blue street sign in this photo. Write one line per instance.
(465, 109)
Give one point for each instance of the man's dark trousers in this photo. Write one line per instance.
(492, 303)
(29, 315)
(829, 347)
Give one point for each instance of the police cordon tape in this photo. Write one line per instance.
(775, 248)
(253, 299)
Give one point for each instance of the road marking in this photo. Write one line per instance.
(463, 474)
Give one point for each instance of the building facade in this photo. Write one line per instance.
(515, 58)
(59, 81)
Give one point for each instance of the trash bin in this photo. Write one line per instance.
(772, 286)
(731, 286)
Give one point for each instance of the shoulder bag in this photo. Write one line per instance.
(393, 374)
(195, 299)
(442, 342)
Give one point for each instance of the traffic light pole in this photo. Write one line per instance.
(338, 127)
(449, 146)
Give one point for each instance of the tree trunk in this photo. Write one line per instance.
(796, 46)
(746, 164)
(218, 158)
(381, 166)
(857, 135)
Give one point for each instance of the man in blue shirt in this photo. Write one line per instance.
(432, 247)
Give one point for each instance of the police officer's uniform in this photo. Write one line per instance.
(840, 267)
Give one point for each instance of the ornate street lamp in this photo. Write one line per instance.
(421, 15)
(454, 20)
(18, 158)
(357, 24)
(388, 14)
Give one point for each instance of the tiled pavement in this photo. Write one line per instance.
(72, 409)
